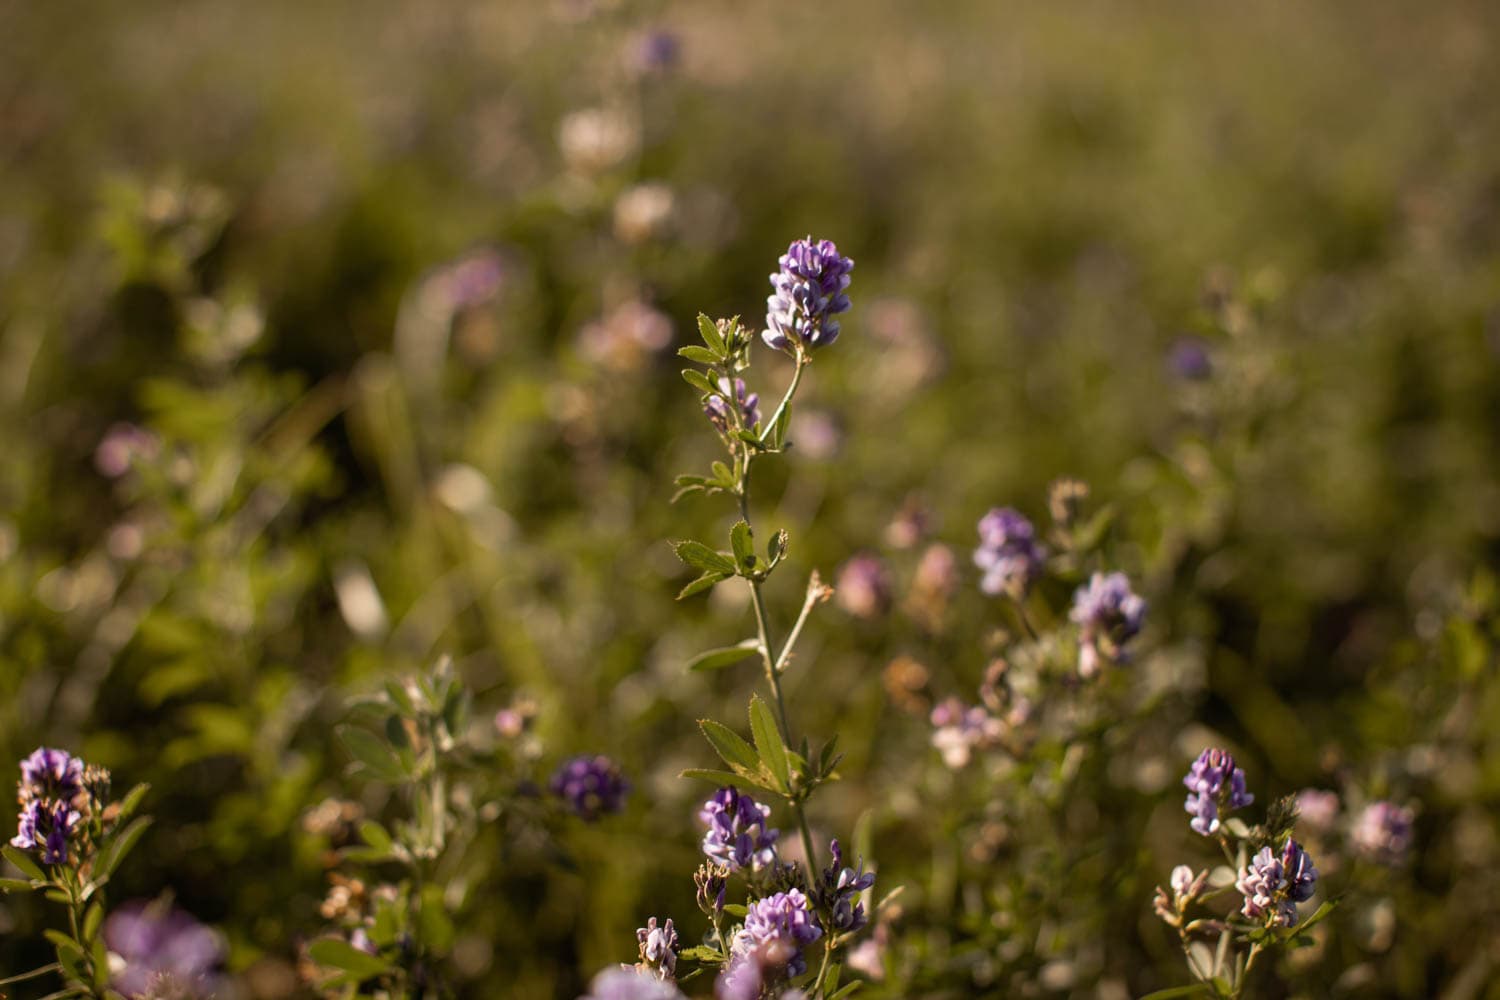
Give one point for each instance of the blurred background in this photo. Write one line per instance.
(338, 335)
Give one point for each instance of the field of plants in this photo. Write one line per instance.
(634, 500)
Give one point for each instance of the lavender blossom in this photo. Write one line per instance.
(1273, 884)
(780, 921)
(658, 948)
(1383, 832)
(1215, 785)
(1008, 553)
(591, 786)
(50, 774)
(717, 406)
(1188, 359)
(737, 835)
(160, 947)
(809, 293)
(1109, 615)
(626, 983)
(837, 892)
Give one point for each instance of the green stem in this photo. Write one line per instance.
(791, 390)
(823, 969)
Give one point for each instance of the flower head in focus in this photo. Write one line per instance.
(808, 294)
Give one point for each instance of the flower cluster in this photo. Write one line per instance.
(837, 892)
(780, 922)
(1008, 553)
(737, 835)
(58, 794)
(748, 404)
(1273, 884)
(1109, 615)
(590, 786)
(959, 730)
(809, 292)
(1215, 787)
(658, 948)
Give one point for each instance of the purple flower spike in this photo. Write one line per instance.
(51, 774)
(1008, 553)
(1109, 615)
(1383, 833)
(1215, 785)
(809, 292)
(591, 786)
(1273, 884)
(780, 922)
(837, 892)
(738, 836)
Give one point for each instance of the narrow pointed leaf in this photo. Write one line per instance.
(742, 542)
(729, 745)
(717, 659)
(701, 584)
(768, 741)
(709, 331)
(700, 556)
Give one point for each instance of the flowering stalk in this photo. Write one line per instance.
(70, 839)
(789, 907)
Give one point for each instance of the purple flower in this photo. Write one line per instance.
(1008, 553)
(837, 891)
(864, 587)
(591, 786)
(1214, 785)
(51, 774)
(1274, 884)
(782, 922)
(1109, 615)
(48, 825)
(717, 406)
(737, 835)
(1188, 359)
(656, 51)
(658, 948)
(159, 946)
(809, 292)
(626, 983)
(1383, 832)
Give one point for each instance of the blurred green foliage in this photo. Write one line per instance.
(234, 225)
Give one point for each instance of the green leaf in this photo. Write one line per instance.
(742, 542)
(91, 920)
(699, 381)
(1318, 916)
(709, 331)
(700, 556)
(702, 583)
(717, 659)
(118, 847)
(729, 745)
(725, 478)
(339, 954)
(15, 885)
(778, 432)
(753, 440)
(28, 867)
(700, 953)
(768, 741)
(131, 802)
(376, 755)
(701, 355)
(848, 990)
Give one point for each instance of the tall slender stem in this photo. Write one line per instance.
(791, 390)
